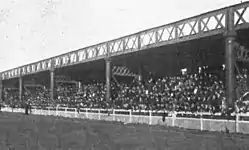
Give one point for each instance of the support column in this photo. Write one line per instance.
(230, 59)
(21, 90)
(108, 75)
(52, 77)
(1, 91)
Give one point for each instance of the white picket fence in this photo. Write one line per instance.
(129, 116)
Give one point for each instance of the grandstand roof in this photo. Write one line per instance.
(172, 47)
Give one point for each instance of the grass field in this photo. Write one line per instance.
(21, 132)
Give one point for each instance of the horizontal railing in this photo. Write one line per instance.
(236, 123)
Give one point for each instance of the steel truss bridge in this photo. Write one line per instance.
(226, 21)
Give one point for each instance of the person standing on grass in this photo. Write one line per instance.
(30, 107)
(11, 105)
(78, 108)
(26, 105)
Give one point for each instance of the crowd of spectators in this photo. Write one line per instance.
(11, 96)
(199, 92)
(181, 93)
(37, 95)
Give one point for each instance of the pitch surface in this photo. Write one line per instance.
(33, 132)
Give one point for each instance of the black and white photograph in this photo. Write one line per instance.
(124, 75)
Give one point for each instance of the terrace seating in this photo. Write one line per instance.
(200, 92)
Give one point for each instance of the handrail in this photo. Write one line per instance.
(199, 122)
(146, 111)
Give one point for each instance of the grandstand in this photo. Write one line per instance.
(138, 77)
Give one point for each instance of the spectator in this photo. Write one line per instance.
(198, 92)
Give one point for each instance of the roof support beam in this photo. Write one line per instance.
(20, 91)
(52, 82)
(1, 91)
(230, 59)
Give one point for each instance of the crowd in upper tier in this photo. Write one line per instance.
(189, 92)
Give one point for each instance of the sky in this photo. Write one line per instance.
(32, 30)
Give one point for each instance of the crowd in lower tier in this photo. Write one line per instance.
(201, 92)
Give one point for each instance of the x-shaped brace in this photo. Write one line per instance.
(133, 42)
(205, 24)
(193, 31)
(219, 24)
(241, 18)
(181, 30)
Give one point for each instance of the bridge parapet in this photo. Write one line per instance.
(208, 24)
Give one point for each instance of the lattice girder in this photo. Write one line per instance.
(208, 24)
(241, 15)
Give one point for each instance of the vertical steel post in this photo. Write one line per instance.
(52, 76)
(230, 59)
(108, 79)
(1, 91)
(139, 42)
(21, 90)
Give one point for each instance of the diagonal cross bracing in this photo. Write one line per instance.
(208, 24)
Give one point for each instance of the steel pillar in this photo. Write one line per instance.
(230, 59)
(1, 91)
(52, 77)
(21, 90)
(108, 75)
